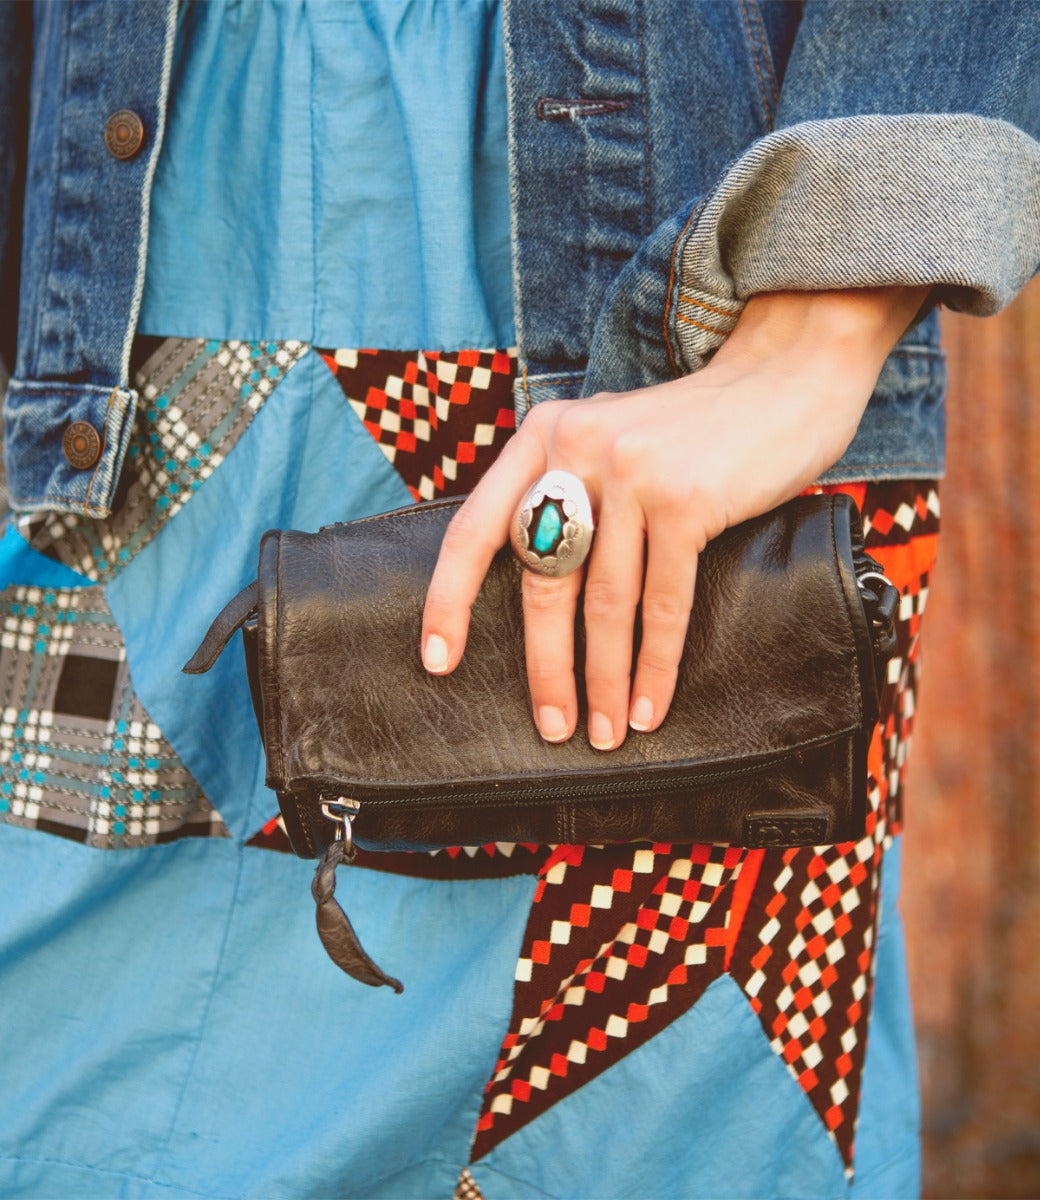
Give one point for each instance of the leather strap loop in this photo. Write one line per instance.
(229, 620)
(334, 928)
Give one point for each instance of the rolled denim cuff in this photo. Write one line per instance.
(949, 201)
(51, 465)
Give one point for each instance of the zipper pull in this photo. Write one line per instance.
(335, 930)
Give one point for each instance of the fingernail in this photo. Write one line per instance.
(601, 732)
(552, 724)
(642, 714)
(435, 653)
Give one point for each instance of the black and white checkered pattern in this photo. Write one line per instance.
(79, 755)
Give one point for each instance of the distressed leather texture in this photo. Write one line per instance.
(764, 744)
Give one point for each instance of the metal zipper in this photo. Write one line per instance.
(343, 810)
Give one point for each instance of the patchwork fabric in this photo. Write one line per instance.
(439, 418)
(623, 940)
(805, 961)
(79, 756)
(197, 398)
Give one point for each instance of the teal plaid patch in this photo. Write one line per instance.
(79, 755)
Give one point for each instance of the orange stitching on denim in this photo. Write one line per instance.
(723, 312)
(540, 382)
(101, 456)
(691, 321)
(758, 69)
(671, 284)
(767, 54)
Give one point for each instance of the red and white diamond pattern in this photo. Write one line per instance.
(440, 418)
(619, 989)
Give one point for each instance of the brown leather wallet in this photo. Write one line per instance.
(764, 744)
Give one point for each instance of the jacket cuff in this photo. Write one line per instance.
(949, 201)
(64, 445)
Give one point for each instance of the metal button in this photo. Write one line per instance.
(124, 133)
(82, 445)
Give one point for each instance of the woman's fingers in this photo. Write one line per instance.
(671, 572)
(550, 608)
(613, 585)
(475, 534)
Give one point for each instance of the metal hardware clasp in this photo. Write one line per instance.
(342, 810)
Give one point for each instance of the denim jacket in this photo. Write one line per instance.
(667, 159)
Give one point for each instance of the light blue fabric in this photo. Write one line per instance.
(344, 167)
(888, 1149)
(21, 564)
(699, 1095)
(175, 1017)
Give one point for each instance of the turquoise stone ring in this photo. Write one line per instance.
(552, 529)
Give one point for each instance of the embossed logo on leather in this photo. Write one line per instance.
(785, 829)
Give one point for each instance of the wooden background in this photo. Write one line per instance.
(972, 847)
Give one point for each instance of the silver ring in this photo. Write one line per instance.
(552, 529)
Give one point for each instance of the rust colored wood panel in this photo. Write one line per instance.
(972, 853)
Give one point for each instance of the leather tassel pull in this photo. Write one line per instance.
(335, 930)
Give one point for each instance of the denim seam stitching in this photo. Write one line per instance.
(146, 190)
(59, 141)
(722, 312)
(767, 54)
(647, 216)
(753, 48)
(707, 328)
(687, 229)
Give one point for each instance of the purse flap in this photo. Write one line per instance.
(777, 659)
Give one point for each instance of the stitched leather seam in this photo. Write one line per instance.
(848, 617)
(657, 776)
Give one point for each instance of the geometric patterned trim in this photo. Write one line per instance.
(635, 935)
(79, 755)
(499, 860)
(910, 513)
(622, 940)
(197, 398)
(806, 965)
(466, 1188)
(440, 418)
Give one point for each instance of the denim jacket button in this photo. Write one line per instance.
(81, 443)
(124, 134)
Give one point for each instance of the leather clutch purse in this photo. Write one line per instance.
(764, 744)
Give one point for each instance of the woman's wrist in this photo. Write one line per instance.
(852, 330)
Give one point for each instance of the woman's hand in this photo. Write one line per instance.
(667, 468)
